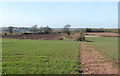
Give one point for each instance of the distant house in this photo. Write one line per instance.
(21, 29)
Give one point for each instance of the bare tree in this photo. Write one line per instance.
(47, 29)
(66, 29)
(41, 30)
(10, 29)
(34, 28)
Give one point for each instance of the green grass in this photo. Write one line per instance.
(107, 45)
(64, 38)
(39, 57)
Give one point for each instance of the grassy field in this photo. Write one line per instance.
(107, 45)
(39, 56)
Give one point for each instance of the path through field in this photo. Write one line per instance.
(92, 62)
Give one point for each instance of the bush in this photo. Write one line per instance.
(78, 37)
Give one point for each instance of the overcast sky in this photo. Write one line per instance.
(58, 14)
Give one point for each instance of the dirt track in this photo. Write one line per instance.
(94, 62)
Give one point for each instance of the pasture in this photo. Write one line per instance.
(26, 56)
(39, 56)
(107, 45)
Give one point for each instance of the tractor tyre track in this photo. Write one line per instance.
(92, 62)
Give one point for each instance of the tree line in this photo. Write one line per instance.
(33, 30)
(78, 34)
(41, 30)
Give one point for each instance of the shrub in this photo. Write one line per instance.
(78, 37)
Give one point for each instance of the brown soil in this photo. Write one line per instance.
(103, 34)
(35, 36)
(92, 62)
